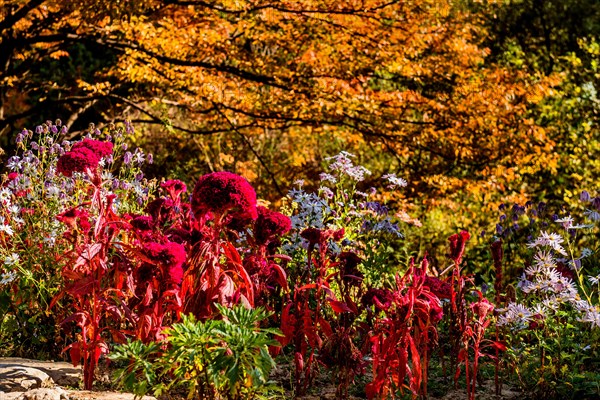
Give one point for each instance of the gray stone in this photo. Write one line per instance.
(17, 378)
(62, 373)
(44, 394)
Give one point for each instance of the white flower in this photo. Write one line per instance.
(395, 181)
(594, 279)
(544, 260)
(14, 209)
(11, 259)
(540, 310)
(552, 240)
(5, 195)
(14, 164)
(593, 317)
(344, 165)
(567, 222)
(515, 314)
(327, 177)
(8, 277)
(5, 228)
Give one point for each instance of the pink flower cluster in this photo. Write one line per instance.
(270, 224)
(84, 155)
(170, 257)
(224, 192)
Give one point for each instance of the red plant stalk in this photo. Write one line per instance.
(481, 309)
(405, 329)
(89, 283)
(497, 255)
(458, 312)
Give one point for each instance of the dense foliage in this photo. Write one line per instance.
(198, 293)
(393, 193)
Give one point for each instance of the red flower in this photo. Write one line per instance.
(170, 256)
(174, 187)
(438, 287)
(221, 192)
(380, 298)
(75, 218)
(77, 161)
(159, 207)
(270, 224)
(143, 223)
(349, 265)
(457, 245)
(12, 176)
(101, 149)
(436, 313)
(313, 235)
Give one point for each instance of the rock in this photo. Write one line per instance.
(44, 394)
(17, 378)
(62, 373)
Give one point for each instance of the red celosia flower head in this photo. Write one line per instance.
(457, 245)
(382, 299)
(170, 257)
(482, 308)
(101, 149)
(159, 208)
(77, 161)
(313, 235)
(270, 224)
(438, 287)
(174, 187)
(143, 223)
(349, 265)
(224, 192)
(170, 253)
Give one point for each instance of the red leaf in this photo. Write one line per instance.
(325, 327)
(338, 306)
(74, 353)
(499, 346)
(281, 276)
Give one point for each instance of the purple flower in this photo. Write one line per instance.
(584, 196)
(127, 158)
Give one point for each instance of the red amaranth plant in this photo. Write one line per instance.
(497, 255)
(88, 279)
(307, 318)
(157, 283)
(403, 336)
(473, 338)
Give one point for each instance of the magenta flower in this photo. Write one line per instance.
(382, 299)
(438, 287)
(270, 224)
(169, 256)
(77, 161)
(100, 148)
(224, 192)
